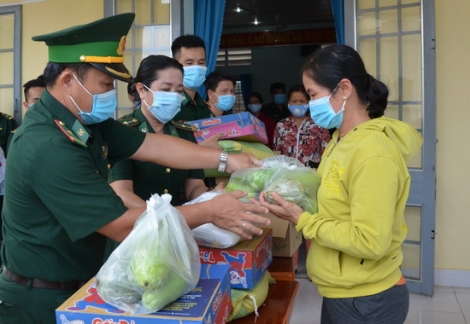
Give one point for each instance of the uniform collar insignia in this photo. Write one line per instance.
(80, 131)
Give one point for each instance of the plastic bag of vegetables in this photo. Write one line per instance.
(156, 264)
(282, 174)
(208, 234)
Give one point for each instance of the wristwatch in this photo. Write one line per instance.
(223, 161)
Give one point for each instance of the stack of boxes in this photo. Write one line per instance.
(242, 126)
(248, 260)
(209, 302)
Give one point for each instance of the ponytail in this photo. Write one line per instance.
(377, 98)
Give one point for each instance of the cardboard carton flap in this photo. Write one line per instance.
(278, 225)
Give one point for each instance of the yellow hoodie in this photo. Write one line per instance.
(360, 226)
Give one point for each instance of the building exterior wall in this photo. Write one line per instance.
(453, 132)
(49, 16)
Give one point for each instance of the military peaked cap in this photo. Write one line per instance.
(100, 43)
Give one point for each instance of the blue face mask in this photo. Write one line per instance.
(323, 114)
(254, 108)
(165, 105)
(104, 105)
(194, 76)
(279, 98)
(298, 110)
(225, 103)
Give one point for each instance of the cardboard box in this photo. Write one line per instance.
(243, 126)
(286, 240)
(201, 124)
(248, 259)
(209, 302)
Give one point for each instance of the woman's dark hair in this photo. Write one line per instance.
(297, 88)
(150, 67)
(256, 95)
(133, 93)
(213, 79)
(331, 64)
(53, 70)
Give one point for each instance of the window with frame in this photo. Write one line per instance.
(233, 57)
(239, 105)
(150, 34)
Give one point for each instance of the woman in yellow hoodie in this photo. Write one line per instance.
(357, 233)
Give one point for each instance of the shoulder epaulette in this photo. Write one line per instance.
(70, 135)
(129, 121)
(6, 115)
(184, 126)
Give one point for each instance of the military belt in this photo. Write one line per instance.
(43, 284)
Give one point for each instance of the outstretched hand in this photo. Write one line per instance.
(237, 216)
(283, 208)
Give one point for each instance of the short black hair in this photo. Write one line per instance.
(38, 82)
(214, 78)
(53, 70)
(298, 88)
(277, 85)
(256, 95)
(188, 41)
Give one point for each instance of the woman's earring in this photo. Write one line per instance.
(344, 98)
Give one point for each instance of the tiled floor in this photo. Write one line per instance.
(449, 305)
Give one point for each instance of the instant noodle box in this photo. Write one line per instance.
(243, 126)
(248, 259)
(209, 302)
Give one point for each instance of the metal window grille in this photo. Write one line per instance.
(239, 105)
(233, 57)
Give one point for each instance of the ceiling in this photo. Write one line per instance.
(277, 14)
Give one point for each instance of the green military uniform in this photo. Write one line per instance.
(7, 124)
(150, 178)
(57, 195)
(193, 109)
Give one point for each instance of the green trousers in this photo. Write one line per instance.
(25, 304)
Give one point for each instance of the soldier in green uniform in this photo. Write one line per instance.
(190, 51)
(59, 208)
(158, 83)
(32, 91)
(159, 86)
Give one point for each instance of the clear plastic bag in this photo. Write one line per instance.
(210, 235)
(282, 174)
(156, 264)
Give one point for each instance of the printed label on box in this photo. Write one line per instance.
(209, 302)
(248, 259)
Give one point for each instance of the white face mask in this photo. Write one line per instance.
(104, 105)
(165, 105)
(194, 76)
(254, 108)
(323, 113)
